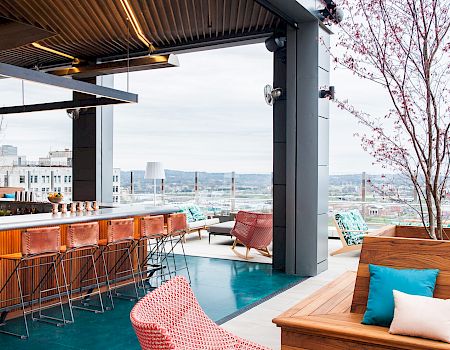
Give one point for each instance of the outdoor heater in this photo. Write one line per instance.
(155, 171)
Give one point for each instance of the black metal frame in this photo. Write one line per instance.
(107, 95)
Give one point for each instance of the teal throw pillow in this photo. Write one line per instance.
(197, 214)
(383, 280)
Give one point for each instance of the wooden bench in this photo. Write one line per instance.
(330, 319)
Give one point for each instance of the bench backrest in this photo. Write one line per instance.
(402, 253)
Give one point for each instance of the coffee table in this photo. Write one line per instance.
(221, 229)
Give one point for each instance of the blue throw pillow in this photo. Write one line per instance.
(9, 195)
(383, 280)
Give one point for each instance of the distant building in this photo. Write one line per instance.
(50, 174)
(8, 150)
(374, 210)
(116, 185)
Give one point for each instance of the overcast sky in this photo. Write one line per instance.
(209, 114)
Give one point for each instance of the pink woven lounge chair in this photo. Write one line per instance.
(171, 318)
(253, 230)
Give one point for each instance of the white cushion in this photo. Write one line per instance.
(420, 316)
(212, 221)
(196, 224)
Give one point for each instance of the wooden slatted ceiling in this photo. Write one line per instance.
(92, 29)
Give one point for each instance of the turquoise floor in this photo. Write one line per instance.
(224, 288)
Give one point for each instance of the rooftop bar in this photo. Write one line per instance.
(13, 227)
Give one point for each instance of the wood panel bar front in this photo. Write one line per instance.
(10, 243)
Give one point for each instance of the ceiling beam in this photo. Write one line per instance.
(199, 45)
(51, 106)
(121, 66)
(15, 34)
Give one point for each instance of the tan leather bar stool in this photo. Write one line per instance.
(40, 251)
(150, 248)
(120, 239)
(177, 228)
(81, 244)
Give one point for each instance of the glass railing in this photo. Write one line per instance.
(215, 203)
(231, 192)
(380, 212)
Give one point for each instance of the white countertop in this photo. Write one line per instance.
(48, 219)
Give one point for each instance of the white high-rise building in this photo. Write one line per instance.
(50, 174)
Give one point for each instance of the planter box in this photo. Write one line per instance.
(403, 232)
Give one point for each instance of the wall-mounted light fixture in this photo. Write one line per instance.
(271, 94)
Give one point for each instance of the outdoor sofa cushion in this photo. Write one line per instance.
(202, 223)
(196, 224)
(223, 227)
(212, 221)
(420, 316)
(383, 281)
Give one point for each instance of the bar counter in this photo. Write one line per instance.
(18, 222)
(11, 228)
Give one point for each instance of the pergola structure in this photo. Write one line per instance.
(90, 40)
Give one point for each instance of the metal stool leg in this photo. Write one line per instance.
(19, 284)
(22, 303)
(108, 284)
(69, 301)
(119, 263)
(165, 258)
(59, 322)
(153, 259)
(90, 258)
(132, 272)
(98, 283)
(185, 260)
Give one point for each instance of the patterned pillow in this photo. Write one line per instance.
(197, 214)
(185, 209)
(346, 222)
(358, 219)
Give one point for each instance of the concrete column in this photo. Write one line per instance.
(301, 153)
(92, 146)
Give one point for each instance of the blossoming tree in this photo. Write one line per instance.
(405, 47)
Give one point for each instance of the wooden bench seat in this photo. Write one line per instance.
(330, 319)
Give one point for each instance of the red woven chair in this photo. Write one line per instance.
(171, 318)
(253, 230)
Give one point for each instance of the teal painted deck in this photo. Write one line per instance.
(224, 288)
